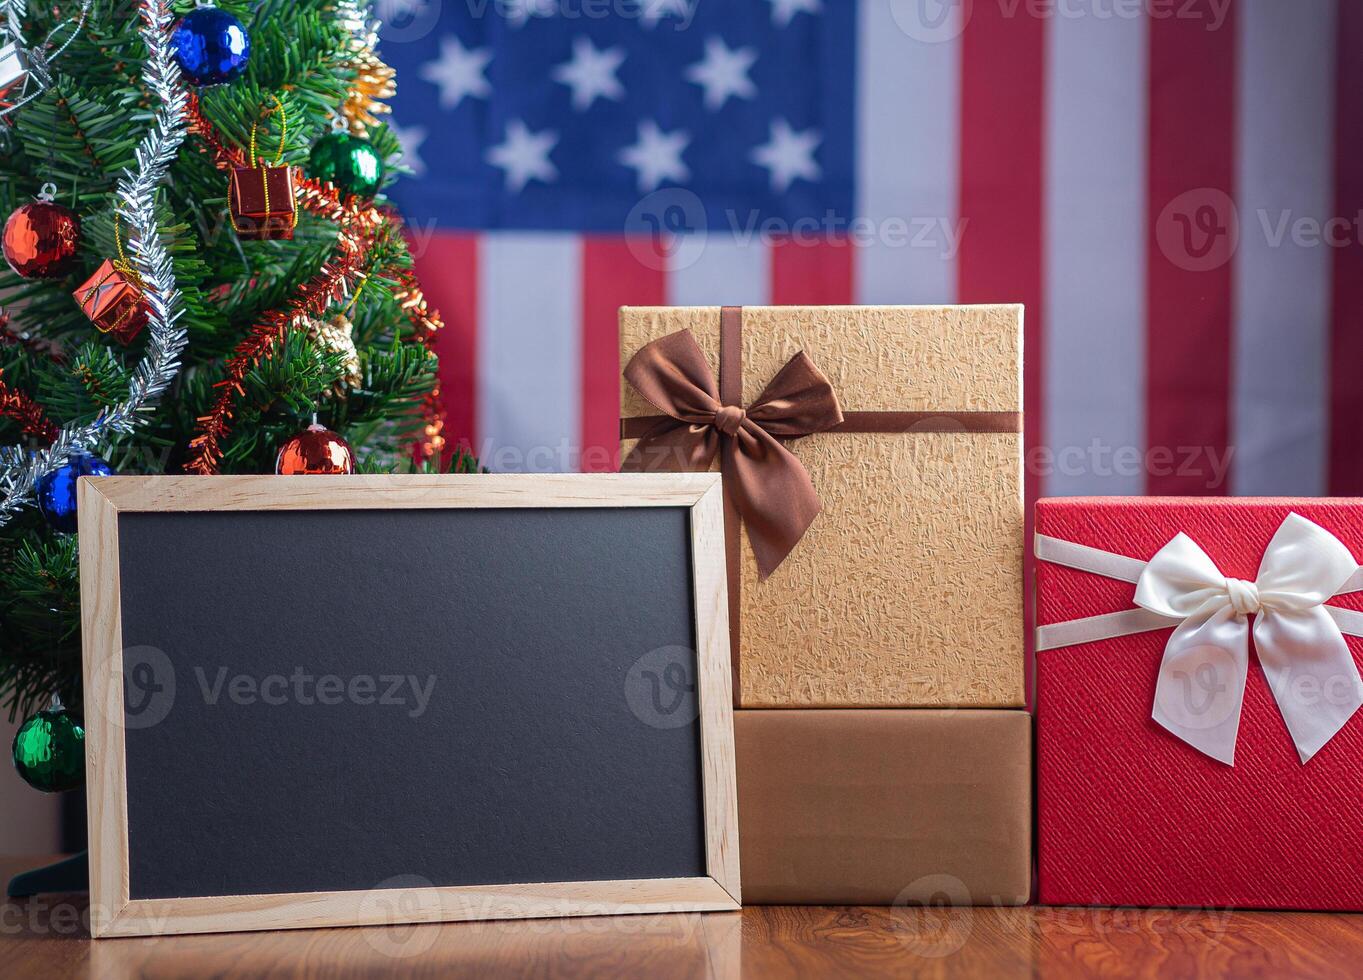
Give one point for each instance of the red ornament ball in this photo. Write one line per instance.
(315, 450)
(40, 240)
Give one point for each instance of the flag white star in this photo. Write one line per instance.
(788, 155)
(723, 73)
(458, 72)
(524, 155)
(782, 11)
(656, 155)
(591, 73)
(652, 11)
(411, 138)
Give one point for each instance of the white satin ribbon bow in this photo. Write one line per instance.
(1309, 667)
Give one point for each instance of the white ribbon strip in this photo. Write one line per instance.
(1105, 627)
(1202, 677)
(1058, 551)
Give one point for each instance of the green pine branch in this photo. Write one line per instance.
(81, 135)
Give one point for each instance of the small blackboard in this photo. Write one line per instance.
(359, 700)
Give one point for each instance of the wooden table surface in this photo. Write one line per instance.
(47, 936)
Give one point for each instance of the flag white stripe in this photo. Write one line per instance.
(1279, 421)
(1095, 255)
(530, 351)
(908, 135)
(729, 271)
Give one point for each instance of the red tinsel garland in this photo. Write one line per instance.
(358, 226)
(24, 410)
(426, 323)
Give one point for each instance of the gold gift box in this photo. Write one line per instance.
(907, 589)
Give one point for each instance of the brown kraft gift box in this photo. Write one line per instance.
(891, 807)
(906, 588)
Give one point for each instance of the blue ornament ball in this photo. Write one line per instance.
(210, 45)
(57, 490)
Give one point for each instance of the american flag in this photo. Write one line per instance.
(1172, 187)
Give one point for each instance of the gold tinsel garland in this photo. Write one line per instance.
(373, 83)
(374, 79)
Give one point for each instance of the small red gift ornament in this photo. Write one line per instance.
(260, 199)
(262, 202)
(113, 300)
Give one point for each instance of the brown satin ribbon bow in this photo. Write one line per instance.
(768, 486)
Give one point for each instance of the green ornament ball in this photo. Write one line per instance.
(349, 162)
(49, 751)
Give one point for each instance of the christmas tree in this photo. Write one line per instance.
(211, 264)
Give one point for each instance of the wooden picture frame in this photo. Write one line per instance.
(113, 913)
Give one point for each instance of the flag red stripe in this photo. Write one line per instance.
(1346, 316)
(1189, 247)
(1002, 139)
(807, 273)
(612, 277)
(447, 267)
(1001, 208)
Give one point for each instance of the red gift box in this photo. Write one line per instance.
(1129, 813)
(112, 299)
(262, 202)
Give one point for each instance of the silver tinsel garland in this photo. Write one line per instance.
(37, 60)
(20, 469)
(14, 20)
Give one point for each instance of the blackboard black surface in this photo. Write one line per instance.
(525, 762)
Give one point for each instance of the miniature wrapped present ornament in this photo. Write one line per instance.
(1198, 687)
(262, 202)
(113, 300)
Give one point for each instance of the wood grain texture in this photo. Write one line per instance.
(113, 914)
(390, 906)
(102, 670)
(714, 678)
(48, 936)
(385, 492)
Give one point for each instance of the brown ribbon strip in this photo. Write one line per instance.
(666, 374)
(875, 422)
(731, 393)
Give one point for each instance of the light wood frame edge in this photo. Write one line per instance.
(112, 913)
(106, 785)
(382, 492)
(470, 903)
(714, 686)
